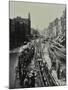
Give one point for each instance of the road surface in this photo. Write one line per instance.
(43, 75)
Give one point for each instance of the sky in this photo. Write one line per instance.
(41, 13)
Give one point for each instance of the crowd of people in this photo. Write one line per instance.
(26, 77)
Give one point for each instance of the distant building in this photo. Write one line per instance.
(63, 22)
(50, 29)
(34, 33)
(58, 26)
(20, 31)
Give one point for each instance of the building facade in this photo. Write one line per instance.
(20, 31)
(58, 26)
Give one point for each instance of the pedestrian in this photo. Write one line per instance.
(26, 83)
(33, 80)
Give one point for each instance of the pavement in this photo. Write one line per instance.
(12, 64)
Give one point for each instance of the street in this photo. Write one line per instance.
(40, 65)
